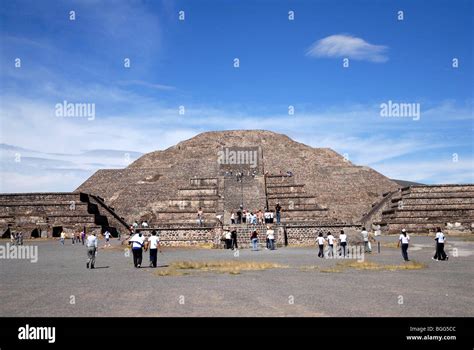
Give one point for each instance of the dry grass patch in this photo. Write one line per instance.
(369, 265)
(179, 268)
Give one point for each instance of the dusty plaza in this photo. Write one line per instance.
(289, 281)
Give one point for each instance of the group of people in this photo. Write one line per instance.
(230, 239)
(80, 237)
(403, 243)
(135, 225)
(256, 217)
(16, 238)
(440, 238)
(330, 240)
(140, 243)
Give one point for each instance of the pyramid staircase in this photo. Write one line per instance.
(202, 192)
(297, 205)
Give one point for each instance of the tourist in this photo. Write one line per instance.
(320, 240)
(365, 237)
(233, 236)
(137, 242)
(62, 237)
(253, 218)
(144, 224)
(330, 239)
(200, 216)
(91, 245)
(12, 238)
(78, 237)
(245, 217)
(154, 245)
(83, 236)
(239, 215)
(271, 238)
(343, 243)
(267, 217)
(260, 217)
(73, 238)
(404, 239)
(228, 239)
(278, 213)
(107, 238)
(135, 224)
(254, 239)
(232, 218)
(440, 239)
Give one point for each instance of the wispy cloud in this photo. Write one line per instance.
(343, 45)
(146, 84)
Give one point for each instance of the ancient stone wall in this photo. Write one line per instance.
(424, 208)
(45, 214)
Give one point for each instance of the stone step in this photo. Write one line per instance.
(433, 206)
(203, 182)
(433, 201)
(429, 195)
(439, 188)
(418, 220)
(198, 192)
(276, 197)
(39, 197)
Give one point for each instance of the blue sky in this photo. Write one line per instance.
(190, 63)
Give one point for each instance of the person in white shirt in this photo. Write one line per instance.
(228, 239)
(320, 240)
(144, 224)
(330, 238)
(63, 237)
(248, 217)
(440, 240)
(107, 238)
(365, 237)
(232, 218)
(154, 245)
(137, 242)
(343, 242)
(91, 244)
(404, 240)
(271, 238)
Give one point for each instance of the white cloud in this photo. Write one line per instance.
(441, 171)
(146, 84)
(126, 121)
(342, 45)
